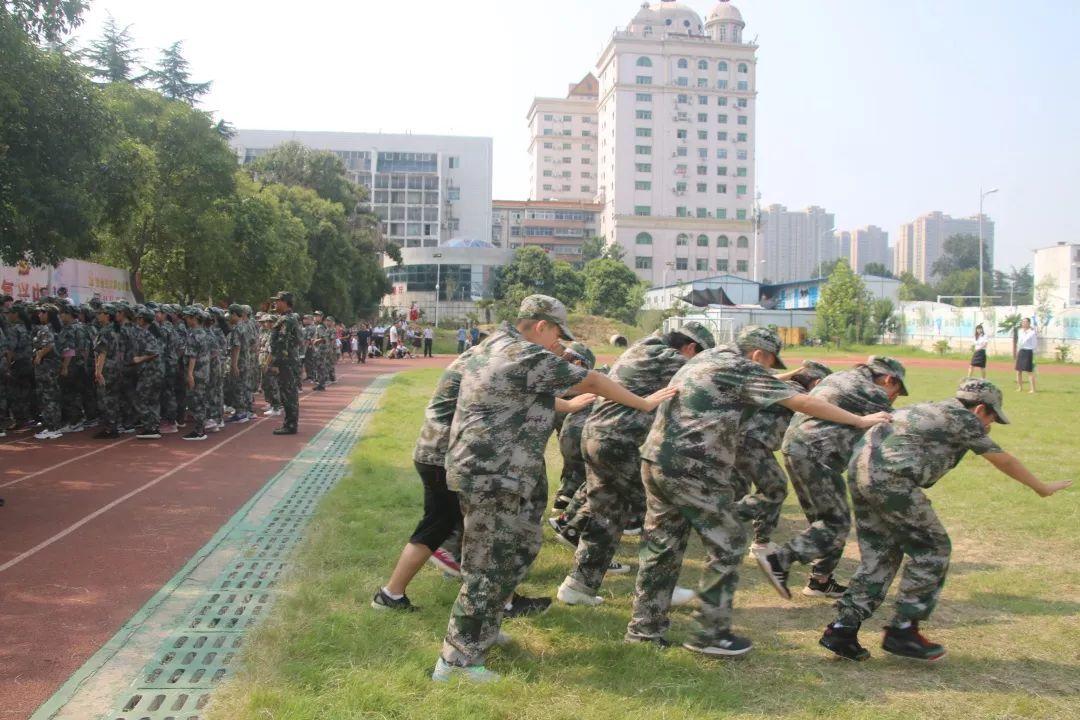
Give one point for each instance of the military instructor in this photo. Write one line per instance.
(285, 360)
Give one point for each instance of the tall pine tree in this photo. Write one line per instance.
(172, 77)
(111, 58)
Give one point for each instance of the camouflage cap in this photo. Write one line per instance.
(545, 307)
(236, 309)
(67, 308)
(145, 313)
(47, 307)
(283, 295)
(581, 351)
(985, 392)
(217, 312)
(152, 305)
(107, 308)
(816, 370)
(246, 308)
(882, 365)
(698, 333)
(757, 337)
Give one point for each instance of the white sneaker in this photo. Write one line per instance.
(444, 672)
(618, 568)
(269, 413)
(77, 427)
(48, 435)
(682, 596)
(763, 548)
(570, 596)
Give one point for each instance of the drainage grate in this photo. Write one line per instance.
(203, 652)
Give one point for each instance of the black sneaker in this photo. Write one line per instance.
(727, 645)
(522, 606)
(830, 588)
(910, 643)
(774, 572)
(844, 641)
(564, 534)
(561, 502)
(382, 601)
(195, 435)
(285, 431)
(320, 388)
(658, 641)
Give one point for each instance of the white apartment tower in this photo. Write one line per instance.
(796, 242)
(676, 108)
(562, 148)
(869, 245)
(922, 241)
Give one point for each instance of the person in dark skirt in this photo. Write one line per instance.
(1026, 344)
(978, 358)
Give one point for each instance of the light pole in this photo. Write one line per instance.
(817, 268)
(982, 197)
(438, 274)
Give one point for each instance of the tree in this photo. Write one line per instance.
(844, 310)
(877, 269)
(1016, 286)
(173, 78)
(959, 283)
(43, 20)
(530, 272)
(591, 249)
(884, 320)
(111, 58)
(612, 290)
(959, 263)
(826, 268)
(1010, 324)
(911, 289)
(569, 283)
(292, 163)
(54, 130)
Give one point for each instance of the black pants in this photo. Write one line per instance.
(289, 387)
(442, 513)
(427, 347)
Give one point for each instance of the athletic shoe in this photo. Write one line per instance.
(561, 502)
(829, 588)
(126, 430)
(87, 424)
(521, 606)
(235, 418)
(844, 641)
(774, 572)
(445, 672)
(320, 388)
(48, 435)
(564, 534)
(107, 435)
(151, 435)
(73, 428)
(3, 433)
(214, 426)
(195, 435)
(658, 641)
(765, 547)
(285, 431)
(229, 410)
(269, 413)
(682, 596)
(617, 568)
(279, 411)
(571, 596)
(243, 417)
(446, 562)
(382, 601)
(633, 529)
(909, 642)
(727, 645)
(168, 429)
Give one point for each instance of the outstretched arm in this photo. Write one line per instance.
(600, 384)
(818, 408)
(574, 404)
(1011, 466)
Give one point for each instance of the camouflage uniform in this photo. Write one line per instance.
(200, 348)
(270, 391)
(307, 351)
(494, 461)
(816, 453)
(170, 367)
(688, 458)
(891, 467)
(254, 368)
(87, 334)
(568, 427)
(107, 345)
(240, 384)
(149, 375)
(69, 345)
(47, 377)
(21, 373)
(127, 373)
(285, 344)
(4, 365)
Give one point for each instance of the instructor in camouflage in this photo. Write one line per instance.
(285, 344)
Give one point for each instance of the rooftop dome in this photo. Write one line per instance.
(725, 11)
(668, 16)
(467, 243)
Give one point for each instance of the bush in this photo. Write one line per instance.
(1063, 353)
(941, 347)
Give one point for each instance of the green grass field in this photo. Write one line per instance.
(1010, 613)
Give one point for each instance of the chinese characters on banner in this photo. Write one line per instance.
(83, 280)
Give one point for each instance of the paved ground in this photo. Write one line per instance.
(93, 529)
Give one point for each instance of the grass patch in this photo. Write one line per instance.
(1010, 614)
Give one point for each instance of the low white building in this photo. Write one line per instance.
(1060, 265)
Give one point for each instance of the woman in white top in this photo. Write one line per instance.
(978, 358)
(1026, 343)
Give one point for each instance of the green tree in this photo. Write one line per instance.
(54, 130)
(877, 269)
(531, 271)
(111, 58)
(293, 163)
(959, 264)
(1010, 325)
(844, 311)
(883, 313)
(1015, 287)
(591, 249)
(42, 20)
(569, 283)
(172, 76)
(826, 268)
(958, 283)
(911, 289)
(612, 290)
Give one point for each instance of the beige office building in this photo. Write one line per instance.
(558, 227)
(921, 242)
(1060, 265)
(867, 245)
(562, 149)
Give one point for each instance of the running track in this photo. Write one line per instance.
(92, 529)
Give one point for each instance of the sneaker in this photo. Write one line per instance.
(682, 596)
(73, 428)
(285, 431)
(446, 562)
(382, 601)
(617, 568)
(829, 588)
(87, 424)
(195, 435)
(521, 606)
(269, 413)
(235, 418)
(279, 411)
(126, 430)
(561, 502)
(658, 641)
(47, 434)
(633, 529)
(727, 645)
(763, 548)
(243, 417)
(148, 435)
(844, 641)
(320, 388)
(168, 429)
(564, 534)
(571, 596)
(107, 435)
(774, 573)
(3, 433)
(214, 426)
(909, 642)
(444, 672)
(230, 410)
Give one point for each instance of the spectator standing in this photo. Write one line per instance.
(1026, 344)
(363, 335)
(462, 334)
(394, 334)
(429, 339)
(474, 334)
(978, 357)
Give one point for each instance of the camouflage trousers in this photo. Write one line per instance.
(675, 504)
(198, 400)
(823, 497)
(573, 472)
(127, 397)
(756, 465)
(613, 478)
(288, 385)
(240, 391)
(893, 518)
(270, 389)
(169, 405)
(20, 391)
(72, 390)
(502, 537)
(215, 398)
(147, 399)
(108, 399)
(47, 384)
(253, 379)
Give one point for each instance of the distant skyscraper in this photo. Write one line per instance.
(921, 242)
(563, 149)
(869, 245)
(795, 243)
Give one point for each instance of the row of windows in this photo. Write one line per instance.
(683, 64)
(721, 213)
(568, 118)
(567, 174)
(741, 85)
(682, 240)
(566, 146)
(700, 264)
(567, 188)
(682, 99)
(566, 160)
(548, 132)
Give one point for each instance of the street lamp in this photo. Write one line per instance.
(438, 273)
(982, 197)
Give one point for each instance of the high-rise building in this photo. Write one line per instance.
(921, 242)
(563, 148)
(558, 227)
(794, 244)
(425, 189)
(1061, 265)
(676, 118)
(869, 245)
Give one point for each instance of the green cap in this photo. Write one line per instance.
(283, 295)
(883, 365)
(236, 309)
(698, 333)
(545, 307)
(757, 337)
(816, 370)
(985, 392)
(145, 313)
(582, 352)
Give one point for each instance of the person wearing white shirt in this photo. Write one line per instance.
(978, 358)
(393, 336)
(1026, 343)
(429, 339)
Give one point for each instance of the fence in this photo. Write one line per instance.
(923, 324)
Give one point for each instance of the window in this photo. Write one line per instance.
(567, 118)
(547, 173)
(701, 213)
(680, 134)
(682, 81)
(642, 210)
(741, 102)
(742, 242)
(586, 188)
(681, 263)
(702, 169)
(721, 170)
(643, 132)
(742, 266)
(643, 263)
(547, 187)
(721, 118)
(703, 187)
(681, 212)
(722, 102)
(548, 146)
(585, 133)
(566, 188)
(644, 97)
(722, 241)
(744, 68)
(721, 154)
(643, 185)
(683, 99)
(721, 84)
(701, 264)
(703, 82)
(568, 132)
(702, 134)
(644, 80)
(703, 117)
(680, 187)
(586, 173)
(742, 85)
(744, 120)
(703, 153)
(682, 64)
(740, 190)
(740, 214)
(721, 213)
(722, 66)
(643, 167)
(721, 265)
(549, 118)
(702, 99)
(586, 147)
(643, 149)
(644, 62)
(586, 161)
(549, 131)
(680, 152)
(567, 160)
(643, 238)
(741, 154)
(740, 172)
(702, 64)
(721, 188)
(644, 114)
(682, 240)
(741, 137)
(702, 240)
(722, 136)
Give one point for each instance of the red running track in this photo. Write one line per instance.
(92, 529)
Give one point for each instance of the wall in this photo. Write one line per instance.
(83, 280)
(925, 323)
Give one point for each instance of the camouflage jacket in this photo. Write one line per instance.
(107, 343)
(697, 432)
(830, 443)
(923, 442)
(439, 415)
(647, 366)
(767, 427)
(147, 344)
(199, 347)
(505, 413)
(285, 341)
(69, 344)
(45, 337)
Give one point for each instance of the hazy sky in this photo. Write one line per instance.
(874, 109)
